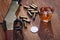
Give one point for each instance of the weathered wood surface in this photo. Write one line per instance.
(4, 7)
(9, 35)
(28, 35)
(47, 31)
(2, 33)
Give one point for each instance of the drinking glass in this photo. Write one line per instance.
(46, 13)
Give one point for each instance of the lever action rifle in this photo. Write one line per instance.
(18, 26)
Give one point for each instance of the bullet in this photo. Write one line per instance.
(27, 7)
(29, 13)
(33, 18)
(27, 21)
(30, 9)
(23, 17)
(32, 6)
(34, 11)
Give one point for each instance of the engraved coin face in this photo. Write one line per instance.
(34, 29)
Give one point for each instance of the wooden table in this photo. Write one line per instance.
(47, 31)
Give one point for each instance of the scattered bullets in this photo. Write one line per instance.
(32, 10)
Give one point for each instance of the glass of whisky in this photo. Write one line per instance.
(46, 13)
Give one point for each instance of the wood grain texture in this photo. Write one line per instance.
(4, 6)
(2, 33)
(47, 31)
(56, 26)
(9, 34)
(28, 35)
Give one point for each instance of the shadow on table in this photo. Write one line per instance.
(45, 31)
